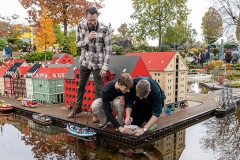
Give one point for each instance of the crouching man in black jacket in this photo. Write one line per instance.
(113, 99)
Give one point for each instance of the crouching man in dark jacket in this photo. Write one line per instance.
(144, 103)
(113, 100)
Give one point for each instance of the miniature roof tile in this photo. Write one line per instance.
(155, 61)
(70, 73)
(9, 73)
(122, 64)
(3, 70)
(34, 68)
(51, 73)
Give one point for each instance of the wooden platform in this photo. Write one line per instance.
(201, 107)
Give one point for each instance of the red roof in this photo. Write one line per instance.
(3, 70)
(51, 73)
(24, 69)
(155, 61)
(10, 62)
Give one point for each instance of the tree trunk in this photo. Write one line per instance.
(65, 21)
(65, 27)
(159, 43)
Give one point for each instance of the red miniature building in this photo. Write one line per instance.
(62, 58)
(8, 84)
(133, 65)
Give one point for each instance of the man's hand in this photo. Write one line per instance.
(128, 121)
(138, 132)
(122, 101)
(123, 130)
(92, 35)
(102, 73)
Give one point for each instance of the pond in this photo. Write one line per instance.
(22, 139)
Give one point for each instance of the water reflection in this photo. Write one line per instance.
(222, 136)
(28, 140)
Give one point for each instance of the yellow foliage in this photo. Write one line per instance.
(45, 37)
(194, 50)
(218, 63)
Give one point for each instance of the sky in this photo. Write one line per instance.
(116, 12)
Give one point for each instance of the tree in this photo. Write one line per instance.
(212, 25)
(123, 30)
(180, 33)
(238, 29)
(9, 27)
(59, 33)
(45, 36)
(153, 17)
(112, 30)
(64, 12)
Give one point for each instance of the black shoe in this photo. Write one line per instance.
(104, 125)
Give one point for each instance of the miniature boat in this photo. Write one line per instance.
(42, 119)
(5, 107)
(80, 132)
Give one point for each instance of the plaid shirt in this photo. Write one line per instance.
(94, 55)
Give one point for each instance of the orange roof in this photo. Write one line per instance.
(3, 70)
(51, 73)
(155, 61)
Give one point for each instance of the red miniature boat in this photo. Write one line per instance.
(5, 107)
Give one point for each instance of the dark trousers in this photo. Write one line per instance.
(142, 112)
(84, 77)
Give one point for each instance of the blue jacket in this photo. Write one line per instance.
(7, 51)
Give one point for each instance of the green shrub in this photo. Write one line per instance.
(12, 40)
(236, 65)
(38, 56)
(235, 84)
(15, 48)
(237, 68)
(1, 48)
(165, 48)
(19, 43)
(117, 49)
(3, 42)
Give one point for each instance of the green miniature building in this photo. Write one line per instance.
(48, 85)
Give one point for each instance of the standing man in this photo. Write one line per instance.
(113, 99)
(144, 103)
(94, 40)
(10, 49)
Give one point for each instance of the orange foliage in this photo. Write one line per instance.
(66, 12)
(228, 65)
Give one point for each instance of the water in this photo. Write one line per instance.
(196, 87)
(22, 139)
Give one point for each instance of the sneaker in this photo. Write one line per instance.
(104, 125)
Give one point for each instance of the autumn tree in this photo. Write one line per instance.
(45, 36)
(9, 27)
(64, 12)
(212, 25)
(153, 17)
